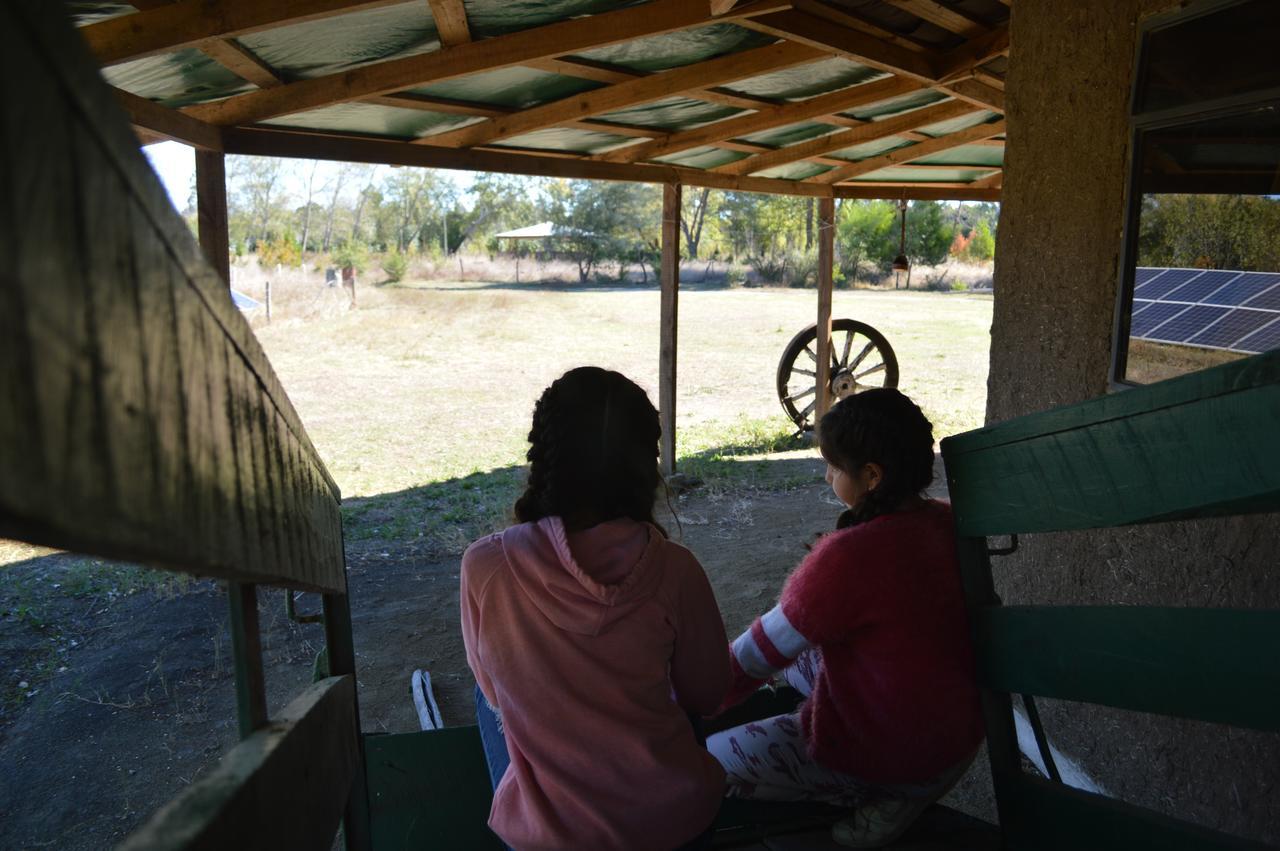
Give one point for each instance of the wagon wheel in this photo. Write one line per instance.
(861, 358)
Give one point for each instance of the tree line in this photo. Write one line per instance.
(286, 211)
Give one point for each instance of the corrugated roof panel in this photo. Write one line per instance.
(794, 171)
(924, 175)
(674, 50)
(176, 79)
(707, 157)
(85, 13)
(342, 42)
(792, 133)
(487, 18)
(964, 122)
(674, 113)
(374, 119)
(560, 139)
(968, 155)
(893, 106)
(518, 88)
(871, 149)
(804, 81)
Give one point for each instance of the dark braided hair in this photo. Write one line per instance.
(885, 427)
(593, 450)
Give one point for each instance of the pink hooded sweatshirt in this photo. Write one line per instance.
(585, 642)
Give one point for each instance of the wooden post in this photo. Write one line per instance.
(246, 648)
(670, 303)
(826, 260)
(268, 300)
(342, 660)
(211, 210)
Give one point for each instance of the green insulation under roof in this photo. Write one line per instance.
(564, 139)
(373, 119)
(906, 174)
(514, 87)
(675, 50)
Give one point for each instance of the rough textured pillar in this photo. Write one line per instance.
(1058, 253)
(670, 303)
(826, 259)
(211, 210)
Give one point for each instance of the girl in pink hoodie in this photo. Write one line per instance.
(593, 637)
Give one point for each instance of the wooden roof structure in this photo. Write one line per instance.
(824, 98)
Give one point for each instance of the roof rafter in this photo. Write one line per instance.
(951, 20)
(847, 138)
(723, 69)
(863, 48)
(575, 34)
(413, 100)
(169, 123)
(901, 156)
(170, 26)
(767, 119)
(850, 19)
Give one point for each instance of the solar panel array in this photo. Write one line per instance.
(1215, 309)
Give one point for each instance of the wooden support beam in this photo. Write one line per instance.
(991, 181)
(835, 141)
(915, 192)
(852, 20)
(960, 61)
(186, 23)
(859, 46)
(917, 151)
(169, 123)
(826, 262)
(261, 141)
(991, 78)
(518, 48)
(211, 211)
(976, 93)
(723, 69)
(240, 61)
(766, 119)
(451, 22)
(668, 323)
(948, 18)
(246, 652)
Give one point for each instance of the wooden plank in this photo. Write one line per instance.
(1219, 665)
(962, 60)
(1038, 814)
(669, 324)
(915, 192)
(826, 261)
(241, 61)
(976, 93)
(1196, 446)
(451, 22)
(444, 767)
(852, 44)
(211, 211)
(853, 20)
(723, 69)
(948, 18)
(900, 156)
(342, 662)
(283, 787)
(169, 123)
(573, 35)
(171, 26)
(246, 651)
(767, 119)
(285, 143)
(145, 395)
(847, 138)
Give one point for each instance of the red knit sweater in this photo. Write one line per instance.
(894, 700)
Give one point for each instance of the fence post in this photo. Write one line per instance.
(268, 300)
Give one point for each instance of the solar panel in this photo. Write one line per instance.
(1153, 316)
(1267, 299)
(1139, 305)
(1244, 288)
(1263, 340)
(1187, 324)
(1230, 329)
(1145, 274)
(1170, 280)
(1198, 288)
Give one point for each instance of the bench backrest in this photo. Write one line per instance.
(140, 420)
(1198, 446)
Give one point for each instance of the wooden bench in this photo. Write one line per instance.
(1202, 445)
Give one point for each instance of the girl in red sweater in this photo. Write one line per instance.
(593, 638)
(871, 629)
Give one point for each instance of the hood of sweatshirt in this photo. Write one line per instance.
(610, 570)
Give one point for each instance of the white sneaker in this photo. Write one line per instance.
(878, 823)
(425, 701)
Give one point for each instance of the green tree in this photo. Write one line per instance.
(982, 245)
(866, 232)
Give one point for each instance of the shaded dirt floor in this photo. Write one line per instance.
(144, 702)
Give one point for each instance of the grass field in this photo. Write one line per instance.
(419, 400)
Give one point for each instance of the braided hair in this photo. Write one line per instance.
(882, 426)
(593, 450)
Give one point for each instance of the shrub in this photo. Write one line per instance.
(734, 276)
(351, 255)
(769, 269)
(395, 265)
(280, 251)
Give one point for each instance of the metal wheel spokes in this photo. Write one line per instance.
(861, 358)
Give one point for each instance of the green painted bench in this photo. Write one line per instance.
(1198, 446)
